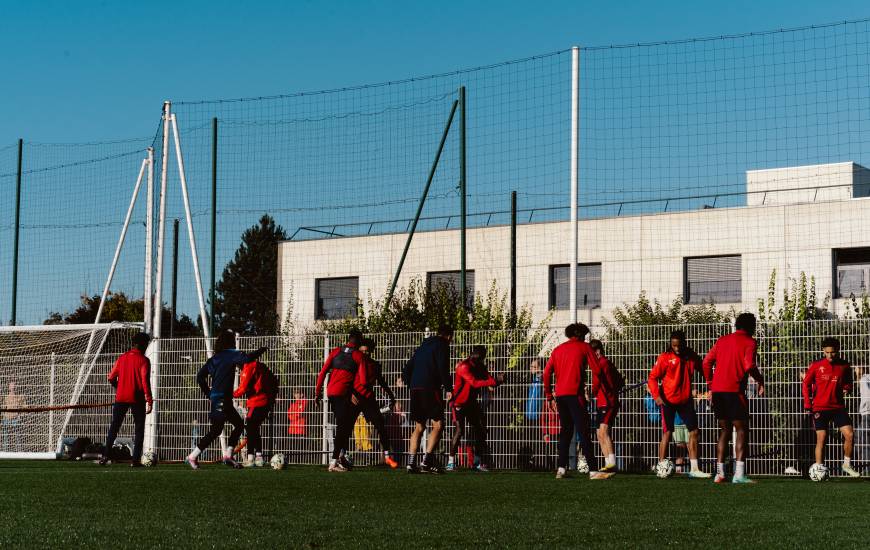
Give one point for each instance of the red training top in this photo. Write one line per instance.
(825, 383)
(296, 417)
(734, 356)
(251, 385)
(344, 362)
(366, 376)
(675, 373)
(132, 371)
(604, 383)
(466, 385)
(569, 362)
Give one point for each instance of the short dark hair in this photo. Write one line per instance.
(141, 340)
(226, 339)
(571, 330)
(596, 345)
(580, 330)
(478, 352)
(355, 337)
(745, 322)
(369, 343)
(354, 332)
(445, 330)
(830, 342)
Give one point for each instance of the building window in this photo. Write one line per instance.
(712, 280)
(450, 281)
(336, 298)
(852, 271)
(588, 286)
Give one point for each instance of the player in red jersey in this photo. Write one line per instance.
(823, 387)
(569, 362)
(674, 369)
(258, 384)
(734, 358)
(363, 398)
(131, 377)
(606, 384)
(342, 364)
(471, 375)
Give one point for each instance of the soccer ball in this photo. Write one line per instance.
(665, 468)
(277, 461)
(582, 466)
(819, 472)
(149, 459)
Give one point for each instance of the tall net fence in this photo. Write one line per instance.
(522, 433)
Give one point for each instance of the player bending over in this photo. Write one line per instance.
(363, 398)
(569, 362)
(471, 375)
(606, 384)
(670, 383)
(342, 364)
(221, 368)
(823, 387)
(426, 374)
(131, 377)
(259, 385)
(734, 357)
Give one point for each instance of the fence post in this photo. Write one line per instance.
(214, 153)
(324, 422)
(14, 315)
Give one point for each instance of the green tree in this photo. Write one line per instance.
(119, 307)
(245, 296)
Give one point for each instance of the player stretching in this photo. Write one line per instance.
(222, 370)
(343, 362)
(363, 398)
(569, 362)
(823, 387)
(131, 376)
(258, 384)
(606, 384)
(674, 369)
(734, 357)
(471, 375)
(426, 374)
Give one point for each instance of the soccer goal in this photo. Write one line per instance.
(53, 385)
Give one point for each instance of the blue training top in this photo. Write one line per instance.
(221, 367)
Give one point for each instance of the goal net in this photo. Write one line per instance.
(53, 385)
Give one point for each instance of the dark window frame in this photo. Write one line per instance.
(854, 256)
(551, 286)
(318, 309)
(469, 282)
(687, 295)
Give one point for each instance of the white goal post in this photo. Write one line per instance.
(53, 384)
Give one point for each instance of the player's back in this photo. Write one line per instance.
(734, 356)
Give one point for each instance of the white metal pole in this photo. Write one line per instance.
(324, 447)
(190, 235)
(149, 242)
(51, 401)
(153, 352)
(575, 172)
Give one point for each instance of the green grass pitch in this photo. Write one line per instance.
(72, 505)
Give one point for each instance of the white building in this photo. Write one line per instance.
(812, 219)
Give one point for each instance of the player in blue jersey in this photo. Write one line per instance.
(221, 368)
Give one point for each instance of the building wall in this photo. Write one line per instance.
(637, 253)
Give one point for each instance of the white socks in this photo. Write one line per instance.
(694, 462)
(740, 469)
(451, 459)
(194, 453)
(250, 457)
(847, 461)
(610, 460)
(228, 453)
(720, 469)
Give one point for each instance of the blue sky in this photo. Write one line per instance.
(652, 126)
(85, 70)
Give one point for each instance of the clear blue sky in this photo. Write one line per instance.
(85, 70)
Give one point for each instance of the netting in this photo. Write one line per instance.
(53, 384)
(522, 433)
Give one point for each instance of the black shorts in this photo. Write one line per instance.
(606, 415)
(730, 406)
(426, 405)
(839, 417)
(685, 410)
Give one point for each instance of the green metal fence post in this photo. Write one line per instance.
(14, 316)
(462, 194)
(214, 152)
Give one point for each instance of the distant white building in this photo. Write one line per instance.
(814, 219)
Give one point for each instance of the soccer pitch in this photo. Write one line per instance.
(62, 504)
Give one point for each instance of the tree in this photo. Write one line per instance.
(119, 307)
(245, 296)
